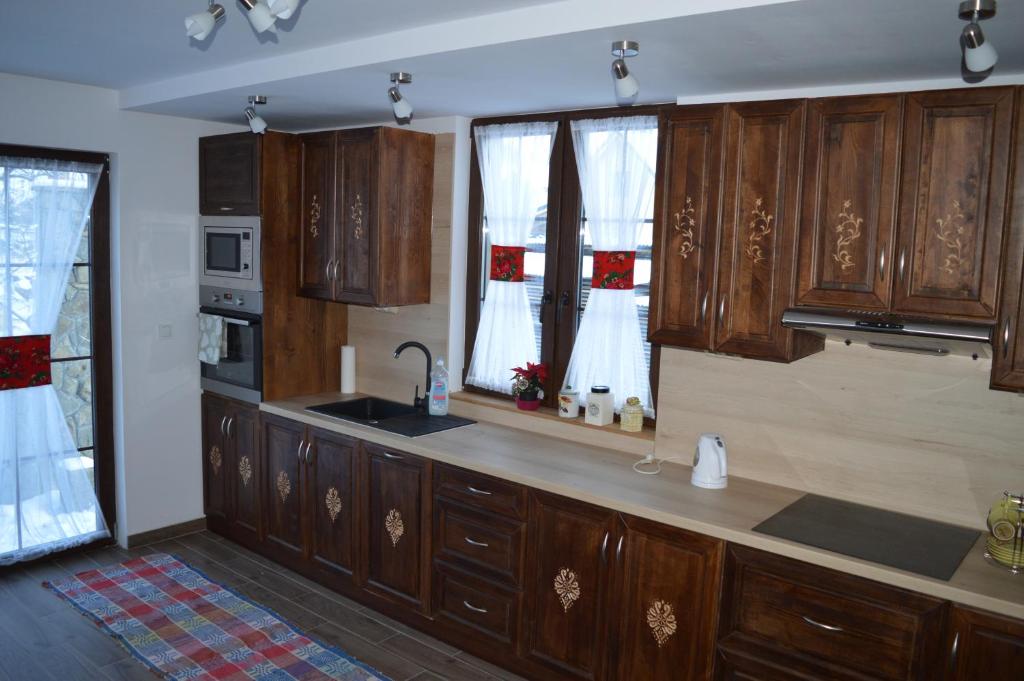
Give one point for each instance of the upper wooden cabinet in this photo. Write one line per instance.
(851, 181)
(760, 206)
(1007, 346)
(229, 174)
(686, 245)
(366, 216)
(984, 646)
(956, 158)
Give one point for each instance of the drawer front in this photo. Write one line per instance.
(832, 618)
(487, 544)
(480, 491)
(476, 605)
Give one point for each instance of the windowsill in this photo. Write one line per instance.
(546, 421)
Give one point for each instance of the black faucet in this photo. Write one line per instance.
(419, 402)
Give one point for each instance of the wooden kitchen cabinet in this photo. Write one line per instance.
(332, 503)
(568, 589)
(229, 174)
(230, 448)
(1007, 347)
(760, 206)
(686, 227)
(366, 216)
(397, 527)
(789, 615)
(956, 156)
(984, 646)
(283, 452)
(851, 183)
(668, 583)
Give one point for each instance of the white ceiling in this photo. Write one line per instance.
(328, 65)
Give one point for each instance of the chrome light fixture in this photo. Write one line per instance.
(259, 15)
(283, 9)
(400, 105)
(979, 54)
(200, 25)
(626, 86)
(256, 122)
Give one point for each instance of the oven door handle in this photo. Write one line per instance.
(237, 322)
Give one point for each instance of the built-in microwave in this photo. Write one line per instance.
(229, 252)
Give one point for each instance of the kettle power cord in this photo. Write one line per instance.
(650, 460)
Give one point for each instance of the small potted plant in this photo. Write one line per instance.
(527, 385)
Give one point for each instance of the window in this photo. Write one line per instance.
(559, 259)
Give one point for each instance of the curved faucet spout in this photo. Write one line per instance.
(418, 402)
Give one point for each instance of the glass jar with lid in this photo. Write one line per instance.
(632, 417)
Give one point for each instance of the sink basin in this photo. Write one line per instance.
(365, 409)
(393, 417)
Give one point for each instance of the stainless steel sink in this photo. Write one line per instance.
(394, 417)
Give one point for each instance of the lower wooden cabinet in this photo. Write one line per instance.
(230, 447)
(397, 526)
(332, 503)
(284, 446)
(984, 646)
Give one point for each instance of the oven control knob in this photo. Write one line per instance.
(216, 298)
(240, 302)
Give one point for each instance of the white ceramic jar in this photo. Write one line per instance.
(600, 406)
(568, 403)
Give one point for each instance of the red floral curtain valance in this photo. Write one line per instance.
(613, 269)
(24, 361)
(507, 263)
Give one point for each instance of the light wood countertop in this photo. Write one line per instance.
(605, 478)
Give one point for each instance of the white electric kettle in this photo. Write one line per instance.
(709, 462)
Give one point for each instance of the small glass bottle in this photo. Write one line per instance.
(631, 419)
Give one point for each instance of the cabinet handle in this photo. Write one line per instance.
(721, 311)
(604, 547)
(618, 549)
(482, 611)
(327, 270)
(389, 455)
(298, 453)
(334, 272)
(903, 261)
(826, 627)
(953, 651)
(881, 263)
(227, 428)
(1006, 336)
(309, 446)
(704, 307)
(223, 420)
(473, 542)
(481, 492)
(226, 208)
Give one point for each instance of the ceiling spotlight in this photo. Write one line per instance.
(200, 25)
(626, 85)
(259, 15)
(979, 55)
(256, 122)
(283, 9)
(401, 105)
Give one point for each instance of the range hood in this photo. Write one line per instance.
(894, 332)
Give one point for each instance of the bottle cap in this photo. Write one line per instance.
(633, 401)
(600, 389)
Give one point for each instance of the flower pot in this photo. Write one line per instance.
(528, 401)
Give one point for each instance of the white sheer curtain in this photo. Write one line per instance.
(614, 157)
(514, 161)
(47, 501)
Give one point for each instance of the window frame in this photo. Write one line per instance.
(564, 211)
(101, 323)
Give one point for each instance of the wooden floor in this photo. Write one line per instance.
(42, 638)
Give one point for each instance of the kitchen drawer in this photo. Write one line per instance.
(829, 617)
(488, 544)
(475, 605)
(480, 491)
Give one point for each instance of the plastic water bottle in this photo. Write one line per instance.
(438, 405)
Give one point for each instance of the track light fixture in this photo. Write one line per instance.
(979, 54)
(626, 86)
(283, 9)
(200, 25)
(259, 15)
(256, 122)
(400, 105)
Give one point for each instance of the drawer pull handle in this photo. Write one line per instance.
(389, 455)
(473, 542)
(826, 627)
(481, 492)
(470, 606)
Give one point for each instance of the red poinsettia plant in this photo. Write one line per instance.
(529, 380)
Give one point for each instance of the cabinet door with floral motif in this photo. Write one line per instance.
(356, 245)
(669, 583)
(956, 157)
(317, 265)
(332, 503)
(215, 481)
(851, 175)
(281, 478)
(242, 431)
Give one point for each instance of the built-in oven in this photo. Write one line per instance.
(239, 372)
(229, 252)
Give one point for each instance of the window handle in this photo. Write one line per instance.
(546, 299)
(563, 302)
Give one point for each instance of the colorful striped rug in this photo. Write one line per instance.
(185, 626)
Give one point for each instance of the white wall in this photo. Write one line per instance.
(154, 205)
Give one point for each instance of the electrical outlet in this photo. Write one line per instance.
(165, 330)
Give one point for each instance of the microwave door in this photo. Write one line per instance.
(223, 253)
